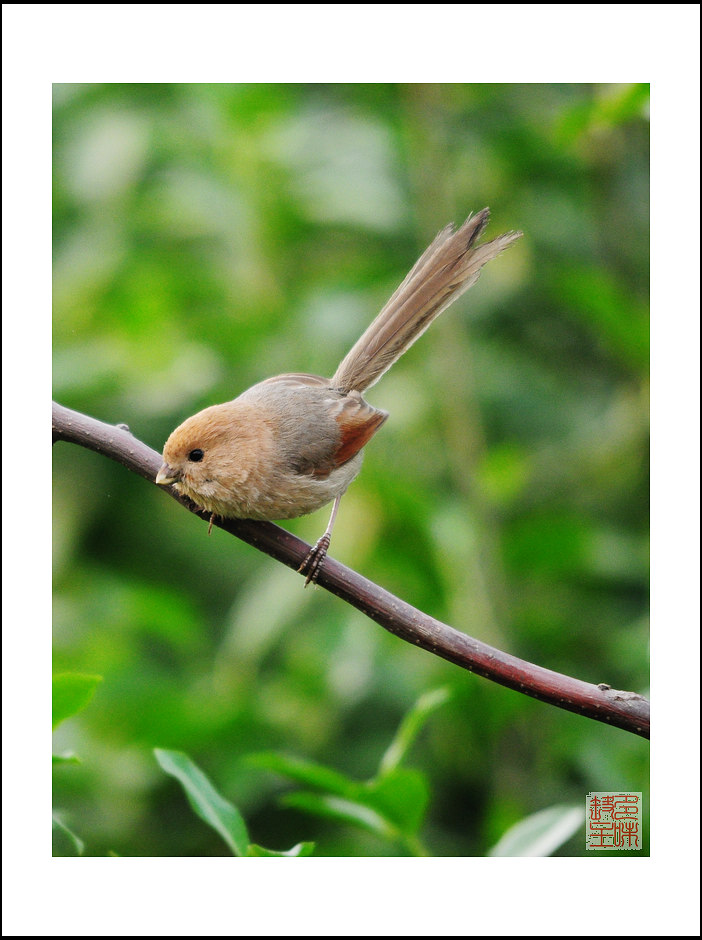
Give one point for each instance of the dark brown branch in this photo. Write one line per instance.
(625, 710)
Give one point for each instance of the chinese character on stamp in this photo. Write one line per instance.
(613, 820)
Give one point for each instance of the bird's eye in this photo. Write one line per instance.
(196, 455)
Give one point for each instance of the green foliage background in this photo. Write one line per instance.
(208, 236)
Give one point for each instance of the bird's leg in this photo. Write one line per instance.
(314, 560)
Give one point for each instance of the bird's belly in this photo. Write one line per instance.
(287, 495)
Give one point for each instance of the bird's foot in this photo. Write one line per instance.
(314, 560)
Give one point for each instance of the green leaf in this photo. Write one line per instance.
(69, 758)
(616, 317)
(401, 797)
(392, 805)
(297, 851)
(341, 810)
(70, 692)
(621, 104)
(76, 845)
(410, 727)
(541, 833)
(212, 808)
(395, 802)
(306, 772)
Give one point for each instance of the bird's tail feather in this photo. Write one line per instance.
(449, 266)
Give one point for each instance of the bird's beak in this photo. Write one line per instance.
(167, 475)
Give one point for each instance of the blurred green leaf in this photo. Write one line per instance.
(392, 805)
(541, 833)
(340, 810)
(504, 473)
(393, 802)
(616, 317)
(297, 851)
(572, 545)
(305, 772)
(621, 103)
(401, 796)
(69, 758)
(65, 838)
(410, 727)
(70, 692)
(217, 812)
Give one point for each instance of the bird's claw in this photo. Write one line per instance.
(314, 560)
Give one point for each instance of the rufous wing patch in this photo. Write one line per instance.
(358, 421)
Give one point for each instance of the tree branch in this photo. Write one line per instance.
(625, 710)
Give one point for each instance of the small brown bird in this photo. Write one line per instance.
(293, 443)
